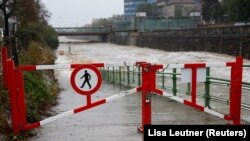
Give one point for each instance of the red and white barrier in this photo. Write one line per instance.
(15, 83)
(235, 87)
(100, 102)
(181, 66)
(55, 67)
(205, 109)
(18, 107)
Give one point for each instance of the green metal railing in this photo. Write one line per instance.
(208, 94)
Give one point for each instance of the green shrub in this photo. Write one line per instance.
(39, 96)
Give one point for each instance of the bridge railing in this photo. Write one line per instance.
(82, 29)
(137, 23)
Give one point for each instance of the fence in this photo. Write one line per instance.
(14, 82)
(147, 80)
(213, 93)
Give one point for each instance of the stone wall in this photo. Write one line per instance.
(227, 40)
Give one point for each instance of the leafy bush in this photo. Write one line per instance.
(40, 86)
(39, 96)
(37, 53)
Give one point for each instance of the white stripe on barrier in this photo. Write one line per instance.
(120, 65)
(167, 66)
(173, 66)
(46, 121)
(48, 67)
(166, 94)
(111, 98)
(214, 113)
(181, 66)
(176, 98)
(71, 112)
(216, 64)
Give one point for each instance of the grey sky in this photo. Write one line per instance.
(68, 13)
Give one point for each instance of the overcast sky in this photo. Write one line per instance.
(68, 13)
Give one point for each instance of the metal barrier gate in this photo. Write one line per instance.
(13, 80)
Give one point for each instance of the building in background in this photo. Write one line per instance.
(179, 8)
(130, 6)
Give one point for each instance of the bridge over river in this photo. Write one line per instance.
(118, 120)
(81, 31)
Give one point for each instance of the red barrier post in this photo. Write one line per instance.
(235, 91)
(21, 98)
(148, 86)
(146, 98)
(194, 68)
(4, 64)
(13, 96)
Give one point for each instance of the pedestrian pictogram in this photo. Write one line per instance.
(86, 79)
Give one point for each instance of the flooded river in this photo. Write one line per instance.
(119, 119)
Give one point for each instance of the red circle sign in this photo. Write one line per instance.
(86, 79)
(61, 52)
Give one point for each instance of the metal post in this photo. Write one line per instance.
(113, 75)
(103, 73)
(194, 68)
(163, 80)
(148, 86)
(146, 98)
(139, 76)
(207, 89)
(133, 74)
(188, 89)
(235, 91)
(21, 99)
(108, 74)
(123, 75)
(13, 96)
(120, 75)
(174, 78)
(128, 76)
(69, 49)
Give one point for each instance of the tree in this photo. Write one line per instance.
(212, 11)
(106, 21)
(7, 6)
(26, 12)
(237, 10)
(31, 11)
(150, 9)
(43, 13)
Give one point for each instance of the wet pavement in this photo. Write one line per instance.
(114, 121)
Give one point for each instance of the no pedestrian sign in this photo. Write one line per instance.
(86, 79)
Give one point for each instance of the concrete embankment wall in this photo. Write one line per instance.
(227, 40)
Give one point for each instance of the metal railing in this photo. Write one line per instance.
(208, 92)
(82, 29)
(137, 23)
